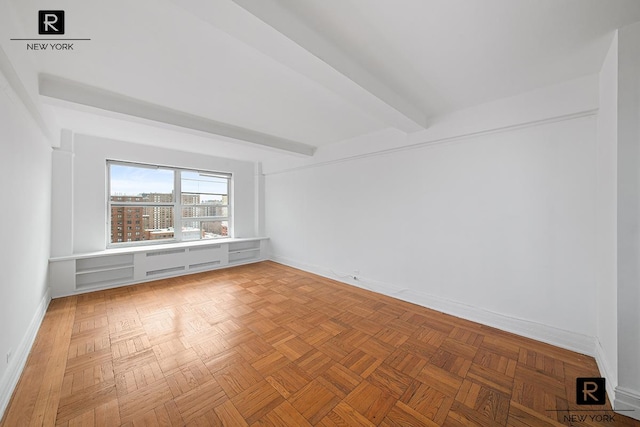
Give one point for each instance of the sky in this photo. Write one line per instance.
(133, 181)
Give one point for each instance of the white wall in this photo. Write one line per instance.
(567, 99)
(502, 222)
(25, 185)
(628, 208)
(497, 227)
(606, 222)
(89, 218)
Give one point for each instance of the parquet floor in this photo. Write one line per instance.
(268, 345)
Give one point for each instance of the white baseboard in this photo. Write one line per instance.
(548, 334)
(627, 402)
(605, 370)
(14, 370)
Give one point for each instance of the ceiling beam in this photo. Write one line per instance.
(81, 94)
(272, 30)
(9, 79)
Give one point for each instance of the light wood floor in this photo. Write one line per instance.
(269, 345)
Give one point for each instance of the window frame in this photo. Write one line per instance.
(176, 205)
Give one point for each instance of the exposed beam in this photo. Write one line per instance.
(9, 78)
(79, 93)
(272, 30)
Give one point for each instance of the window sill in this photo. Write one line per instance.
(155, 247)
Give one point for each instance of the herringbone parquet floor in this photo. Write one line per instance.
(268, 345)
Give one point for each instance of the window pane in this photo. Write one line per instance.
(140, 184)
(137, 223)
(191, 230)
(196, 199)
(127, 224)
(204, 211)
(195, 230)
(197, 183)
(158, 217)
(215, 229)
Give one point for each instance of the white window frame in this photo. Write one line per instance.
(176, 205)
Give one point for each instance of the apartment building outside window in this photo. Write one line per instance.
(152, 204)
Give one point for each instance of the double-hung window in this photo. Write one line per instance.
(149, 204)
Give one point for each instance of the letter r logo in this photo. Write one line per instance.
(51, 22)
(590, 391)
(590, 387)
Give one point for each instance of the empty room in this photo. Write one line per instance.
(320, 213)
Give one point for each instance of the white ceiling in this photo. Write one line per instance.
(315, 72)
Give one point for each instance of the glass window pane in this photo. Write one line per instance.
(204, 211)
(221, 211)
(191, 230)
(158, 217)
(138, 223)
(140, 184)
(198, 183)
(215, 229)
(195, 230)
(196, 199)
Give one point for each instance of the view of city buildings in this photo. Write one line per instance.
(131, 223)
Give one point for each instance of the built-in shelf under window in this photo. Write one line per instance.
(122, 266)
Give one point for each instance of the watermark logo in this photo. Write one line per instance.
(51, 28)
(591, 391)
(51, 22)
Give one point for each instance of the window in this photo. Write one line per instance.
(166, 204)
